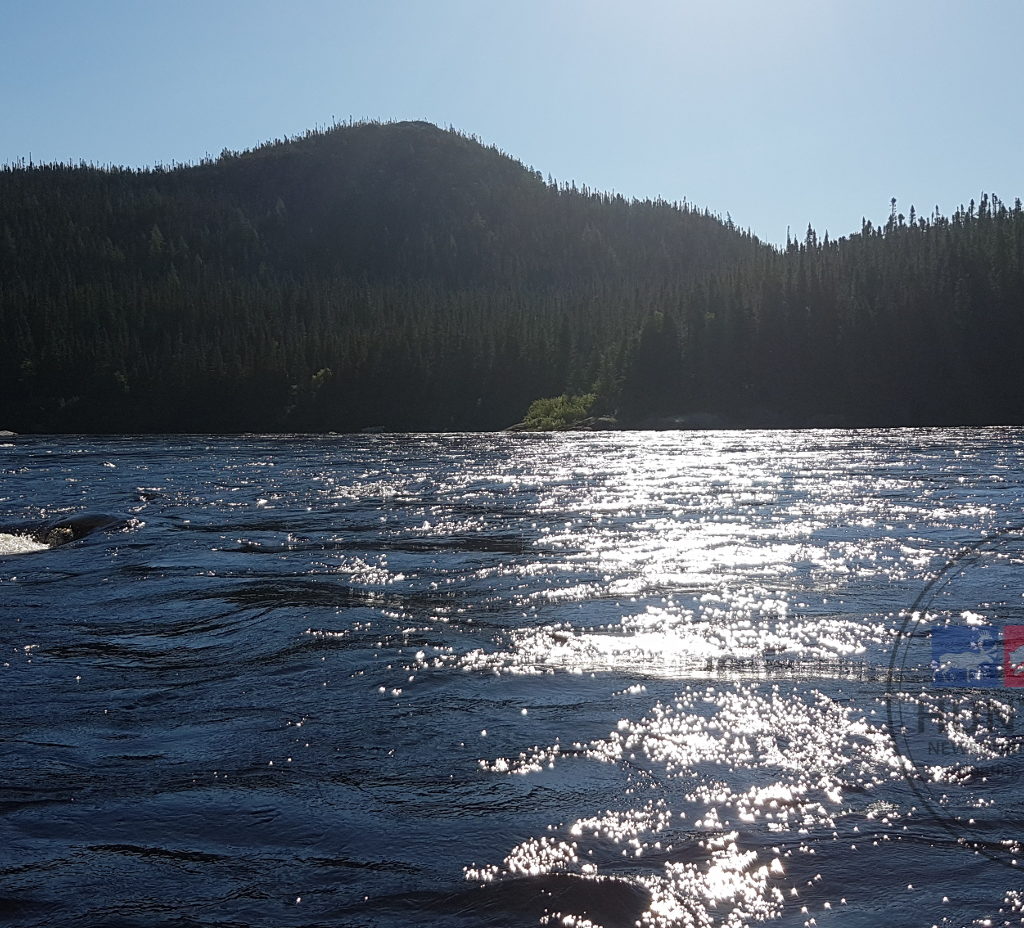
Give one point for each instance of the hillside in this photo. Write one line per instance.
(407, 277)
(395, 275)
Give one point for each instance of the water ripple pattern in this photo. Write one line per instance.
(484, 680)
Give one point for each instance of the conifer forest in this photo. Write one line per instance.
(402, 277)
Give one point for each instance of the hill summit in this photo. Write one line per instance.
(402, 276)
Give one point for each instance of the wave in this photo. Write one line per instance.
(19, 544)
(38, 535)
(561, 899)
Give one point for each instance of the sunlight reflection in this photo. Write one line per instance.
(803, 753)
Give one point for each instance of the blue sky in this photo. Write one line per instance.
(779, 113)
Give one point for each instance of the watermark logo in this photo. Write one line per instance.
(1013, 657)
(956, 697)
(968, 656)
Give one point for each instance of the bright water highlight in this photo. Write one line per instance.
(484, 680)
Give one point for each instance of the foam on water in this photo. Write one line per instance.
(19, 544)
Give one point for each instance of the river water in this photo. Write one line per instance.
(490, 680)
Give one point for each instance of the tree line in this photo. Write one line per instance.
(407, 277)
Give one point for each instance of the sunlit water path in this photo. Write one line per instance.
(611, 679)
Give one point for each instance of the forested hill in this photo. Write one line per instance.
(406, 277)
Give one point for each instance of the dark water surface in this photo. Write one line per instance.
(484, 680)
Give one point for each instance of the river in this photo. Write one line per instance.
(490, 680)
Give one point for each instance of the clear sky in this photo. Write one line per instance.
(778, 113)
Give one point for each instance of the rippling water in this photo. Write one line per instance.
(487, 680)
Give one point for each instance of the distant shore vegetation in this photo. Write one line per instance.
(557, 412)
(402, 276)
